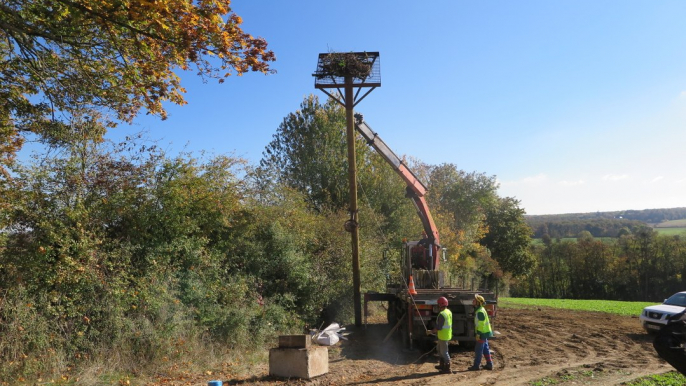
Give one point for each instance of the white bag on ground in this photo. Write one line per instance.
(329, 336)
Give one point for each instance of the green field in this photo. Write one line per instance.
(609, 306)
(672, 228)
(662, 230)
(671, 231)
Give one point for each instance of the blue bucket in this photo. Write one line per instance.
(214, 383)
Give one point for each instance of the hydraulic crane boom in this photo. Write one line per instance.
(414, 190)
(412, 310)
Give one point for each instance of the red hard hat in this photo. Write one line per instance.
(442, 302)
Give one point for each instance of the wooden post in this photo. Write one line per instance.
(352, 179)
(327, 77)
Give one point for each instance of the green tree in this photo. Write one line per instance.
(584, 236)
(461, 199)
(625, 231)
(508, 237)
(309, 153)
(466, 195)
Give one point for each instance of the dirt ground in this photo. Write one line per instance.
(534, 345)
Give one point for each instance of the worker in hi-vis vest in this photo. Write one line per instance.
(444, 331)
(483, 331)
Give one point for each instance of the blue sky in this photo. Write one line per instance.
(575, 106)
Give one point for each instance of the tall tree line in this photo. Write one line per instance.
(600, 224)
(566, 228)
(640, 266)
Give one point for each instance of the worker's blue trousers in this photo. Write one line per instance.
(482, 349)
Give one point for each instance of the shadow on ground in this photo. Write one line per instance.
(374, 343)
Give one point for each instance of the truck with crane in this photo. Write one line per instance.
(413, 299)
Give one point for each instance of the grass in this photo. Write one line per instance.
(671, 231)
(671, 378)
(608, 306)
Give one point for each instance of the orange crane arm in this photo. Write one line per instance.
(415, 189)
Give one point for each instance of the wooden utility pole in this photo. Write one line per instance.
(354, 70)
(352, 180)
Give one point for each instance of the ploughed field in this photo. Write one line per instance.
(535, 345)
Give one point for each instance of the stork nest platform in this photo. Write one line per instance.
(336, 67)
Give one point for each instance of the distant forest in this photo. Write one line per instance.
(600, 224)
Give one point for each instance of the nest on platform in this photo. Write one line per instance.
(342, 65)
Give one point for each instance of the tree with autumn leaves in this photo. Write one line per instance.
(74, 262)
(106, 61)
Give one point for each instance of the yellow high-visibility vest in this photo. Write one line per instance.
(482, 326)
(445, 332)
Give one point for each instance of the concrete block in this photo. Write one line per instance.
(305, 363)
(294, 341)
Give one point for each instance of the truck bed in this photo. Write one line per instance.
(454, 295)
